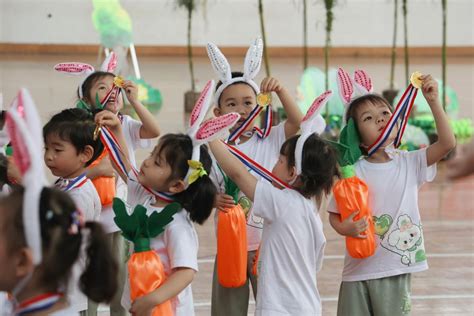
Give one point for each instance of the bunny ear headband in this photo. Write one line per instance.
(253, 60)
(85, 70)
(24, 128)
(207, 132)
(362, 85)
(312, 123)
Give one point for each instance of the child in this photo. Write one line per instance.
(61, 242)
(393, 178)
(167, 169)
(69, 149)
(293, 241)
(237, 92)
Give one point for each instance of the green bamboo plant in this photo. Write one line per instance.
(305, 35)
(394, 45)
(444, 4)
(190, 7)
(329, 5)
(405, 32)
(264, 38)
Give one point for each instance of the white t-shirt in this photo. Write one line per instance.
(393, 197)
(88, 202)
(177, 247)
(290, 254)
(266, 152)
(131, 132)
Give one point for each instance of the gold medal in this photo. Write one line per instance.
(96, 132)
(119, 81)
(264, 99)
(415, 79)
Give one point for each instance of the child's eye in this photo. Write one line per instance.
(367, 118)
(386, 113)
(248, 103)
(231, 104)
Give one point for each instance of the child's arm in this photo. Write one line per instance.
(110, 120)
(292, 124)
(103, 169)
(149, 128)
(234, 169)
(174, 284)
(446, 140)
(348, 227)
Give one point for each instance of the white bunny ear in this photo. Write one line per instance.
(217, 128)
(24, 128)
(200, 108)
(362, 82)
(219, 62)
(73, 68)
(344, 83)
(110, 63)
(253, 59)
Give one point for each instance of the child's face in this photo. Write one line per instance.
(101, 87)
(239, 98)
(371, 119)
(155, 171)
(282, 171)
(62, 158)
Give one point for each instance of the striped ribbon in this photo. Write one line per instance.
(104, 101)
(116, 154)
(38, 303)
(72, 183)
(235, 135)
(402, 111)
(256, 167)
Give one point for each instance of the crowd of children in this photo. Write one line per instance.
(67, 253)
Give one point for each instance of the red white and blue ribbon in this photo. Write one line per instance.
(71, 183)
(235, 135)
(38, 303)
(104, 101)
(256, 167)
(402, 112)
(116, 154)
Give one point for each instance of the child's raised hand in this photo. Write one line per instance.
(352, 228)
(430, 89)
(108, 119)
(223, 202)
(270, 84)
(131, 91)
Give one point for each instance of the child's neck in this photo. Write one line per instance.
(159, 203)
(380, 156)
(75, 173)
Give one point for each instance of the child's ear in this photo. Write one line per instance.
(87, 153)
(24, 262)
(293, 174)
(217, 111)
(177, 186)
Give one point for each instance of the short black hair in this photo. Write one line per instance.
(77, 127)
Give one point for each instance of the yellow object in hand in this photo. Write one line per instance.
(119, 81)
(264, 99)
(416, 80)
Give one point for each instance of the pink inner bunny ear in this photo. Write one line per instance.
(344, 84)
(216, 126)
(110, 63)
(74, 68)
(317, 105)
(363, 79)
(200, 104)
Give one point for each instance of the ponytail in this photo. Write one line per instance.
(99, 279)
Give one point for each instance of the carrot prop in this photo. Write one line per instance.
(352, 194)
(232, 241)
(105, 186)
(146, 272)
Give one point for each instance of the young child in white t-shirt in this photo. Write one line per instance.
(237, 92)
(393, 178)
(293, 242)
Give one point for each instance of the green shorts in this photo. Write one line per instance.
(388, 296)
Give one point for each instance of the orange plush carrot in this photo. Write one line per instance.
(146, 272)
(105, 186)
(351, 193)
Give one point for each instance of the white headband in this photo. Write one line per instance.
(25, 131)
(253, 60)
(85, 70)
(350, 89)
(312, 123)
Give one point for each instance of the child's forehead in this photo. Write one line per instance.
(107, 79)
(370, 105)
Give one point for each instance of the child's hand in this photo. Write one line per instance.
(430, 89)
(352, 228)
(108, 119)
(223, 202)
(13, 172)
(143, 306)
(131, 91)
(270, 84)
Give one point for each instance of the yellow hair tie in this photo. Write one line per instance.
(198, 170)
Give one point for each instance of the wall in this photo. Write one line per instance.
(235, 22)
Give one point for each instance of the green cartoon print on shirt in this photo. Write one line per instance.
(407, 239)
(382, 224)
